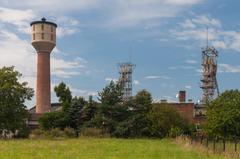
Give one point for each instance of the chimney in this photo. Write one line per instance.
(182, 96)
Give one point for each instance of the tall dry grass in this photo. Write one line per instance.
(189, 144)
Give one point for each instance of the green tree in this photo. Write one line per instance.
(59, 119)
(223, 115)
(111, 94)
(64, 94)
(53, 120)
(13, 94)
(75, 113)
(111, 99)
(89, 109)
(143, 101)
(165, 120)
(135, 122)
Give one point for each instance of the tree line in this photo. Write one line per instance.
(137, 117)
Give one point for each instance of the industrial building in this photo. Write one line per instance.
(187, 108)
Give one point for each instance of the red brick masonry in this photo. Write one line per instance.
(43, 82)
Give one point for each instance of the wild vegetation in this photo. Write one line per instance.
(137, 117)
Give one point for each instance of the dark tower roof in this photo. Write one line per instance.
(43, 20)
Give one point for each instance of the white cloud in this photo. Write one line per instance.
(20, 53)
(157, 77)
(219, 44)
(118, 13)
(67, 26)
(17, 17)
(125, 13)
(181, 67)
(206, 21)
(136, 82)
(75, 91)
(199, 71)
(188, 87)
(21, 18)
(188, 24)
(52, 5)
(66, 69)
(82, 92)
(108, 79)
(67, 20)
(196, 29)
(182, 2)
(226, 68)
(63, 31)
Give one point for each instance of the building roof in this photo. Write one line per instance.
(54, 107)
(43, 21)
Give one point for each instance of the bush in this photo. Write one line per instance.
(23, 132)
(174, 132)
(52, 120)
(69, 132)
(93, 132)
(53, 133)
(122, 130)
(165, 120)
(37, 134)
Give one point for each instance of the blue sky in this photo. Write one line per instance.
(163, 38)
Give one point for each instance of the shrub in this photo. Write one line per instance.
(23, 132)
(93, 132)
(69, 132)
(163, 118)
(52, 134)
(174, 132)
(52, 120)
(55, 133)
(122, 130)
(37, 134)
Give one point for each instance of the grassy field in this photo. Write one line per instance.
(90, 148)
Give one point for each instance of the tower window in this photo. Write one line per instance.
(42, 35)
(33, 36)
(42, 26)
(52, 37)
(51, 28)
(33, 27)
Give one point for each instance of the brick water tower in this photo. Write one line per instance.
(43, 40)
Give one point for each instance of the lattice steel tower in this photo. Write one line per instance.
(209, 83)
(125, 79)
